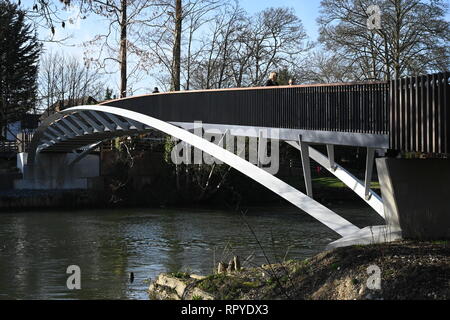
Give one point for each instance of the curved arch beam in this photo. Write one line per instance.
(297, 198)
(49, 134)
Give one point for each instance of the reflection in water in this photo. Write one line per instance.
(36, 248)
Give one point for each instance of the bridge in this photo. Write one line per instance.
(405, 115)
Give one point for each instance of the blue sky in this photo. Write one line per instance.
(306, 10)
(85, 30)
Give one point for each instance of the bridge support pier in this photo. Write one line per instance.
(58, 171)
(416, 196)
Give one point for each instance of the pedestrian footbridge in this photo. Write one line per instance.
(405, 115)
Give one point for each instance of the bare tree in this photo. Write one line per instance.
(413, 38)
(276, 38)
(53, 15)
(176, 25)
(241, 50)
(66, 78)
(212, 66)
(176, 60)
(199, 15)
(325, 67)
(125, 19)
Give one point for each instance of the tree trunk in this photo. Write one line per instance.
(396, 53)
(387, 59)
(189, 57)
(123, 49)
(176, 60)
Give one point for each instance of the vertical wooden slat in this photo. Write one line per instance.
(318, 107)
(445, 112)
(394, 115)
(320, 114)
(440, 131)
(387, 106)
(302, 113)
(434, 113)
(446, 103)
(411, 113)
(305, 99)
(431, 116)
(377, 109)
(367, 107)
(403, 112)
(396, 145)
(347, 112)
(423, 113)
(362, 107)
(417, 114)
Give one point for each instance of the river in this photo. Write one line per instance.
(37, 247)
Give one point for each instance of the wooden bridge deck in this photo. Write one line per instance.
(414, 112)
(410, 114)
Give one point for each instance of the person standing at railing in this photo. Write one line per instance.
(272, 80)
(155, 90)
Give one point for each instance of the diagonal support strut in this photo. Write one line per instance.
(347, 178)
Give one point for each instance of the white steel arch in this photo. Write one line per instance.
(136, 122)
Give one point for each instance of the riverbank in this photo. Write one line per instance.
(25, 200)
(326, 191)
(409, 270)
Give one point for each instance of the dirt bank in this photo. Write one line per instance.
(409, 270)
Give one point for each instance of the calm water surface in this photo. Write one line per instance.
(37, 247)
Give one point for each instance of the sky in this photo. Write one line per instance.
(306, 10)
(85, 30)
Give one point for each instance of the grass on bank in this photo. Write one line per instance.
(331, 182)
(409, 270)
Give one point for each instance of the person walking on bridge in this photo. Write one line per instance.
(272, 80)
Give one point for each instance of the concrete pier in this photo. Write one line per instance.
(53, 171)
(416, 196)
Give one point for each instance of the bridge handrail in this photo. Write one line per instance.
(413, 112)
(420, 113)
(351, 107)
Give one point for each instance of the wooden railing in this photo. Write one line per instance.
(413, 111)
(420, 113)
(351, 107)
